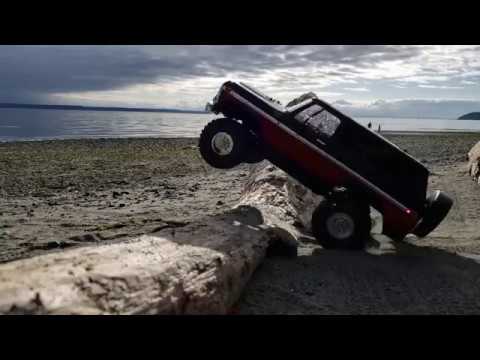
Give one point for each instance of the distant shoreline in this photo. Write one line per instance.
(429, 132)
(108, 138)
(94, 108)
(182, 111)
(470, 116)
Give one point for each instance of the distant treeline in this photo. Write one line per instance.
(470, 116)
(93, 108)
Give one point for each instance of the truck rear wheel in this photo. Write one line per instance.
(223, 143)
(341, 224)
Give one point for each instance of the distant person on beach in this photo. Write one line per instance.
(379, 128)
(369, 125)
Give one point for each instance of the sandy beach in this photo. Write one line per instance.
(56, 195)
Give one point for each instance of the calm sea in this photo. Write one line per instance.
(27, 124)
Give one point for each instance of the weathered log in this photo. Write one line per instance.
(474, 162)
(200, 268)
(283, 202)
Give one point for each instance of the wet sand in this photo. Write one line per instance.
(59, 194)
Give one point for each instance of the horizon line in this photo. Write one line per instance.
(146, 109)
(89, 107)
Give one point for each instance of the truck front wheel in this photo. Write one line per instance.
(223, 143)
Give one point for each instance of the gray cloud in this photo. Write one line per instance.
(35, 73)
(39, 70)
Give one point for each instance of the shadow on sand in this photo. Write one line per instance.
(387, 278)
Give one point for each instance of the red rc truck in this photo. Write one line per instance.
(327, 151)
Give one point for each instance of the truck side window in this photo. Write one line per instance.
(324, 124)
(306, 114)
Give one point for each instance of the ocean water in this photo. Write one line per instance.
(30, 124)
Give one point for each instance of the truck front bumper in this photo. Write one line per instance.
(437, 207)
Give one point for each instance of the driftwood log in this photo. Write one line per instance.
(200, 268)
(474, 162)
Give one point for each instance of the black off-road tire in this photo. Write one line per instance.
(357, 212)
(239, 135)
(437, 207)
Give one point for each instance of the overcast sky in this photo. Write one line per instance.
(423, 81)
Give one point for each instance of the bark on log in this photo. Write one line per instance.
(197, 269)
(474, 162)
